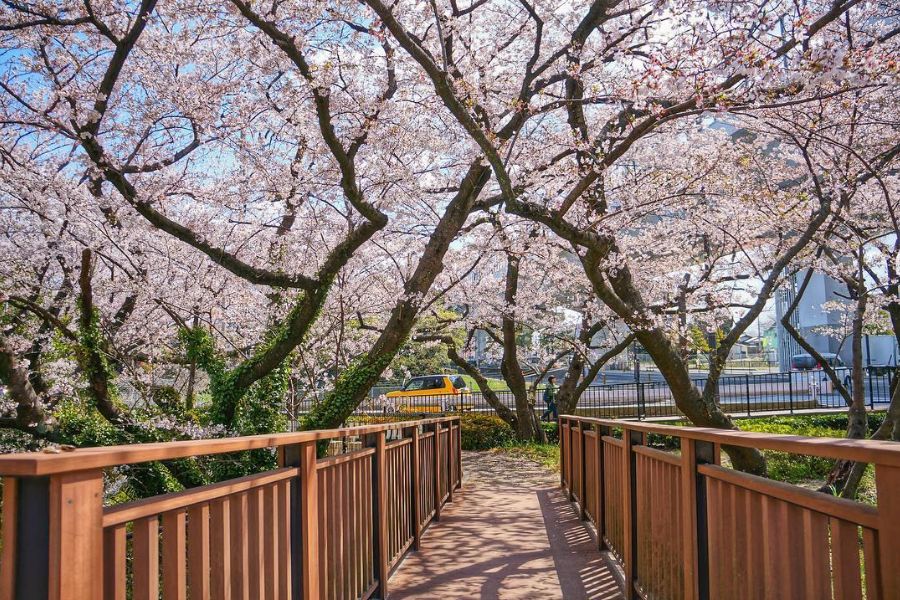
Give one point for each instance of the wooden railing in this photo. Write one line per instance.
(314, 528)
(684, 527)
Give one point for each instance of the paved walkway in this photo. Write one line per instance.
(509, 534)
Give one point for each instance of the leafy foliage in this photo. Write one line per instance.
(482, 432)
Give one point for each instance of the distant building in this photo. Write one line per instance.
(811, 320)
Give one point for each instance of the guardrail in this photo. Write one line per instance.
(684, 527)
(313, 528)
(789, 392)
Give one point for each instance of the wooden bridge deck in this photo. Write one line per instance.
(510, 533)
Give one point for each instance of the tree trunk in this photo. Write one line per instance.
(528, 428)
(624, 299)
(354, 384)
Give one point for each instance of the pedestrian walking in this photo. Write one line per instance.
(550, 400)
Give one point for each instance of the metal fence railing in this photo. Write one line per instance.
(737, 394)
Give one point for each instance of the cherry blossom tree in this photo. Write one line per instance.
(595, 83)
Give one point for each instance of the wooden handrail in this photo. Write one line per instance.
(870, 451)
(683, 526)
(102, 457)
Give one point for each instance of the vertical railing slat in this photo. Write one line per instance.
(240, 552)
(308, 521)
(415, 488)
(174, 555)
(380, 513)
(146, 559)
(114, 563)
(198, 552)
(220, 548)
(887, 482)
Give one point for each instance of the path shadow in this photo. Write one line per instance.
(506, 543)
(582, 570)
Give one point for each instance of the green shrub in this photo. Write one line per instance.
(551, 430)
(798, 468)
(481, 432)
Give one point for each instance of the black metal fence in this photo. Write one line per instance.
(737, 395)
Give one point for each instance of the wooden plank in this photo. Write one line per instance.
(381, 564)
(240, 549)
(355, 537)
(368, 516)
(436, 471)
(582, 476)
(628, 516)
(10, 537)
(343, 529)
(331, 501)
(459, 468)
(666, 457)
(174, 555)
(283, 529)
(887, 482)
(309, 521)
(198, 552)
(757, 585)
(84, 459)
(873, 569)
(270, 543)
(35, 464)
(324, 529)
(451, 458)
(220, 548)
(829, 505)
(76, 535)
(598, 487)
(794, 530)
(845, 560)
(344, 458)
(114, 563)
(816, 562)
(132, 511)
(146, 559)
(714, 536)
(870, 451)
(415, 489)
(256, 542)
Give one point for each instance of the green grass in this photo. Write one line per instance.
(545, 454)
(809, 471)
(497, 385)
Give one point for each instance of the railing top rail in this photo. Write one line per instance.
(82, 459)
(871, 451)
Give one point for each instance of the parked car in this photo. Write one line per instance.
(434, 394)
(805, 362)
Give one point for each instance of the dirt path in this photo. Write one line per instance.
(509, 533)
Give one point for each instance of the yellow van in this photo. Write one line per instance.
(432, 394)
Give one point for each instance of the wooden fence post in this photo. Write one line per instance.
(451, 457)
(459, 469)
(304, 534)
(887, 482)
(560, 433)
(437, 471)
(415, 491)
(380, 520)
(582, 465)
(599, 518)
(630, 438)
(54, 547)
(694, 518)
(569, 487)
